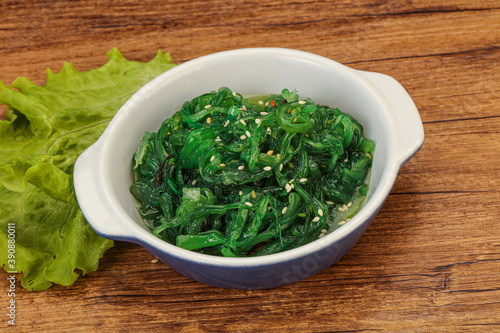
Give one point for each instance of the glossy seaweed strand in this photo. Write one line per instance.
(230, 177)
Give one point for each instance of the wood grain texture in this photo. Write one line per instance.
(430, 262)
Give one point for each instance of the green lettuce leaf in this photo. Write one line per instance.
(45, 129)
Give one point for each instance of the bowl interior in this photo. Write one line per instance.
(246, 72)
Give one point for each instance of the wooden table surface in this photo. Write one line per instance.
(431, 259)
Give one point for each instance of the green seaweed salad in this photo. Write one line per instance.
(233, 176)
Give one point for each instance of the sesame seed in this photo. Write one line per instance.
(154, 261)
(194, 182)
(254, 195)
(226, 124)
(243, 137)
(217, 139)
(278, 156)
(269, 129)
(294, 120)
(269, 153)
(248, 133)
(345, 207)
(241, 167)
(261, 102)
(267, 103)
(321, 235)
(209, 120)
(212, 158)
(283, 211)
(303, 180)
(243, 122)
(240, 193)
(323, 231)
(249, 204)
(320, 212)
(281, 167)
(302, 102)
(330, 202)
(342, 222)
(316, 219)
(291, 181)
(264, 113)
(244, 108)
(234, 93)
(349, 204)
(208, 106)
(222, 165)
(368, 155)
(258, 121)
(267, 168)
(288, 188)
(341, 209)
(346, 160)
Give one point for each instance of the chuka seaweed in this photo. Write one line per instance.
(227, 176)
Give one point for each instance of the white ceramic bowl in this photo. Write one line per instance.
(103, 173)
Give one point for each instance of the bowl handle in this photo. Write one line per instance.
(99, 212)
(403, 110)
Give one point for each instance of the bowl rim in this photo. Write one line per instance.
(146, 239)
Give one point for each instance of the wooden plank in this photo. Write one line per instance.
(430, 262)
